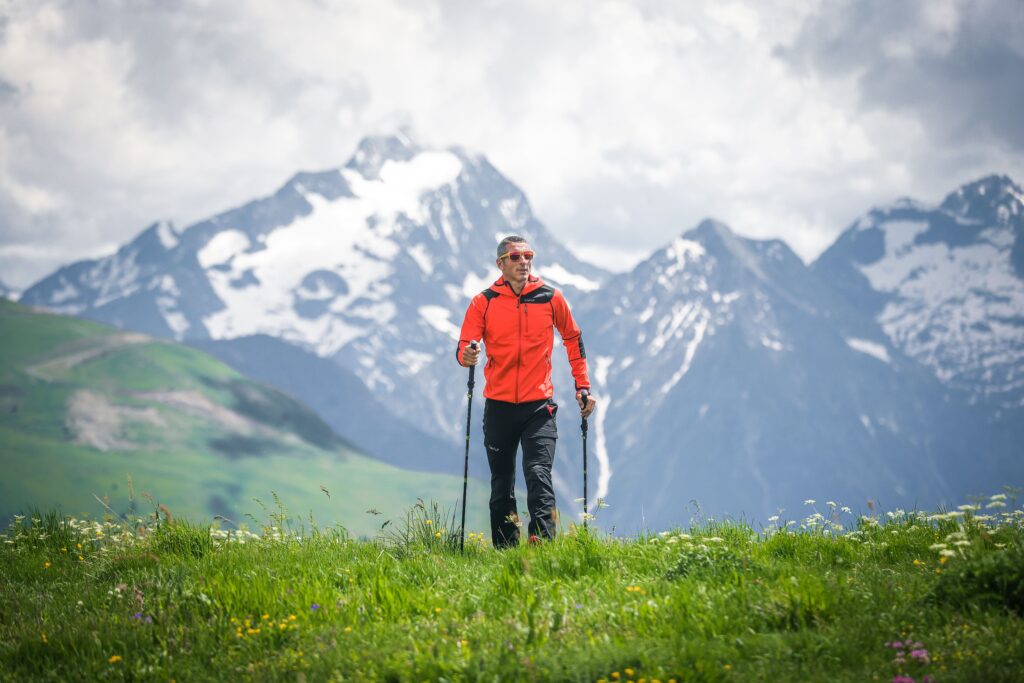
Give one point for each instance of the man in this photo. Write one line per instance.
(515, 317)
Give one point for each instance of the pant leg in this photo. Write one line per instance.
(501, 439)
(539, 437)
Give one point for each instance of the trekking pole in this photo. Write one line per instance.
(584, 395)
(465, 469)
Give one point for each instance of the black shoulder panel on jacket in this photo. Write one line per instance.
(489, 293)
(541, 295)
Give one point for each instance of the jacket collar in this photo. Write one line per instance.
(505, 289)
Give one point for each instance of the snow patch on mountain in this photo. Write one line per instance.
(402, 183)
(473, 284)
(558, 275)
(871, 348)
(698, 324)
(954, 308)
(439, 318)
(167, 234)
(223, 247)
(602, 364)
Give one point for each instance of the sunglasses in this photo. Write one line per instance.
(514, 256)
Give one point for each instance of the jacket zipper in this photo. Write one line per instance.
(519, 339)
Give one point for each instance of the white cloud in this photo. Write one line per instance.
(624, 122)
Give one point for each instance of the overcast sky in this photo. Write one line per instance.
(624, 122)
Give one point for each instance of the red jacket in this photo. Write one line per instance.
(517, 333)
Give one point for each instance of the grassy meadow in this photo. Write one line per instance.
(896, 597)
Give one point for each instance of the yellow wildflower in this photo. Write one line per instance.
(430, 521)
(44, 638)
(46, 565)
(348, 629)
(628, 672)
(114, 659)
(437, 535)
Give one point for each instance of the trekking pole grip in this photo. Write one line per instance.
(584, 397)
(472, 370)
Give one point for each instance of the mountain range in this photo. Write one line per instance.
(733, 376)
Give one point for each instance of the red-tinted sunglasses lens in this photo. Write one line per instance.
(526, 255)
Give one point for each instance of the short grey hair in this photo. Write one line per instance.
(511, 239)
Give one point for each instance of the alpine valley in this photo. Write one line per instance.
(734, 378)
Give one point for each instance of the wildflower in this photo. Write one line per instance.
(43, 636)
(314, 607)
(996, 504)
(114, 659)
(46, 565)
(998, 496)
(348, 629)
(265, 617)
(845, 509)
(430, 521)
(937, 546)
(628, 671)
(291, 617)
(947, 553)
(437, 610)
(809, 501)
(966, 508)
(773, 518)
(437, 534)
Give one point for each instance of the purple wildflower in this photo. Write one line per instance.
(902, 679)
(314, 607)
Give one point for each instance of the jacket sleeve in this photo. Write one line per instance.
(572, 338)
(472, 325)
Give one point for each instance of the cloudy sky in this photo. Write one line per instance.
(624, 122)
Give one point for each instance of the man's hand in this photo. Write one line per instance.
(471, 356)
(591, 404)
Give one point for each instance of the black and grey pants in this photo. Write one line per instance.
(506, 426)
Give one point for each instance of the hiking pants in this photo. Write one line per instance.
(506, 426)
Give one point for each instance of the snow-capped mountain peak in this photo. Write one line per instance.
(945, 283)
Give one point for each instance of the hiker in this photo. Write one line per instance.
(515, 317)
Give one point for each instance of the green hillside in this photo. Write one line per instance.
(84, 409)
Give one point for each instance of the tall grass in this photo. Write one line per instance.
(831, 597)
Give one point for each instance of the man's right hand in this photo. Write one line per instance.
(471, 356)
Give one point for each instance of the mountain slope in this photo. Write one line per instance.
(733, 375)
(946, 284)
(83, 406)
(337, 396)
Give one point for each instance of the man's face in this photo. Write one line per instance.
(518, 271)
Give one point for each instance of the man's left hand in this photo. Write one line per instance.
(591, 404)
